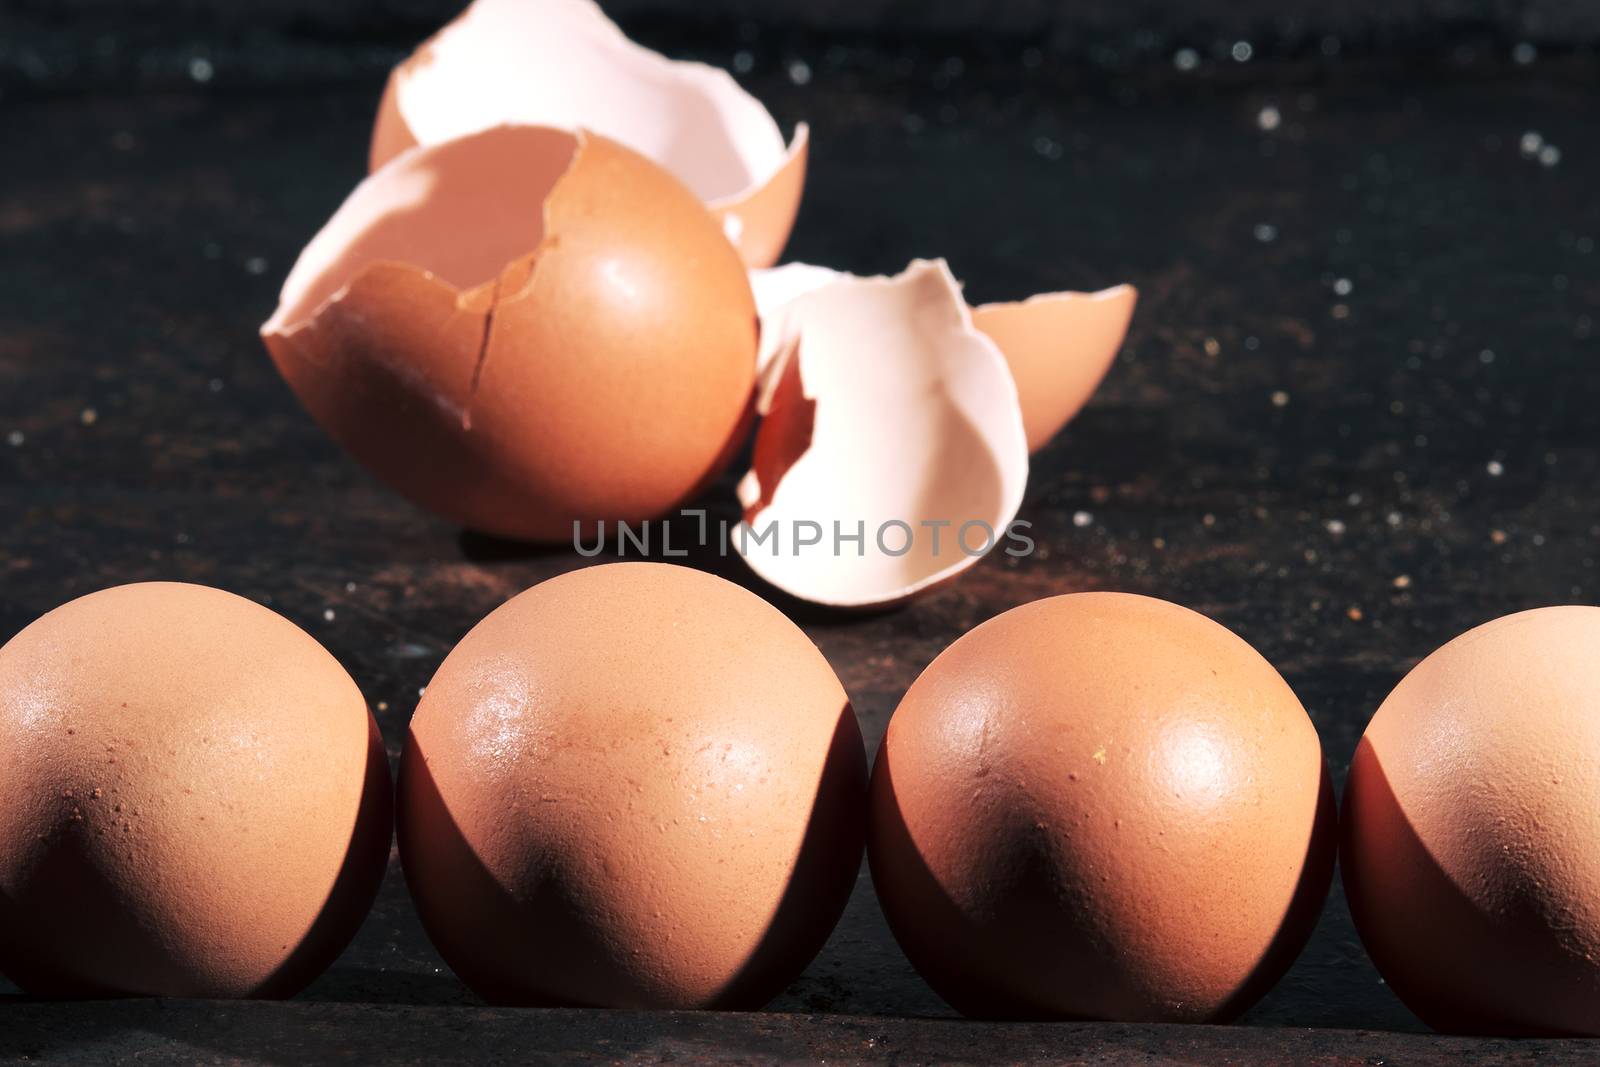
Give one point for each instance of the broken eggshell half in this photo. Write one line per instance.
(1059, 346)
(562, 63)
(521, 329)
(891, 454)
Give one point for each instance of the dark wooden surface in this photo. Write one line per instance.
(1347, 479)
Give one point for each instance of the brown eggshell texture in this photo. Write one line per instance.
(1472, 829)
(1101, 806)
(524, 328)
(194, 800)
(635, 785)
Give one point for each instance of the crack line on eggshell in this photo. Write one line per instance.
(548, 241)
(483, 353)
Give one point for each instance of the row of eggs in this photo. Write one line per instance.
(641, 785)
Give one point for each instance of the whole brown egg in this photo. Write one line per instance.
(635, 785)
(1472, 829)
(1101, 806)
(194, 800)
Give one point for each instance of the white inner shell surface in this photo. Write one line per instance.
(916, 421)
(563, 63)
(460, 211)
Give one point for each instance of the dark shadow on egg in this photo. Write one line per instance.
(569, 958)
(356, 886)
(825, 872)
(1305, 906)
(1460, 967)
(109, 953)
(948, 947)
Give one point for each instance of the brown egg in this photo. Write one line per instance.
(635, 785)
(1101, 806)
(522, 328)
(194, 800)
(1472, 829)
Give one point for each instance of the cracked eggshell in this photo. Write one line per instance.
(1101, 806)
(881, 405)
(1059, 347)
(1472, 829)
(635, 785)
(562, 63)
(194, 799)
(523, 328)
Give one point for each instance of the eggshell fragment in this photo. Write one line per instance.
(885, 415)
(1101, 806)
(1472, 829)
(1059, 347)
(635, 785)
(194, 800)
(521, 329)
(562, 63)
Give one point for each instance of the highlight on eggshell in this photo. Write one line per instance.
(891, 453)
(1101, 806)
(635, 785)
(523, 328)
(562, 63)
(1471, 825)
(194, 799)
(1058, 346)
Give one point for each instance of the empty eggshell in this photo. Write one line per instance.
(194, 799)
(1472, 829)
(521, 329)
(562, 63)
(1101, 806)
(1058, 346)
(634, 785)
(891, 438)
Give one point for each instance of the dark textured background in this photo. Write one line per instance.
(1356, 415)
